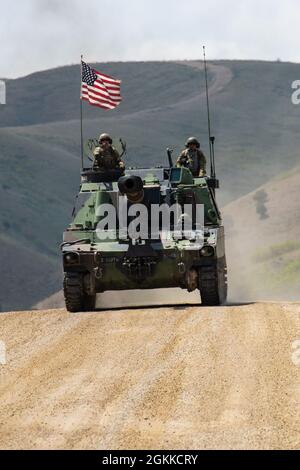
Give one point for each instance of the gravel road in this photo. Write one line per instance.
(158, 377)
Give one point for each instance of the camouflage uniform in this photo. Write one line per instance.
(107, 159)
(194, 160)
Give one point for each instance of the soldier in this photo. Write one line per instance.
(193, 158)
(106, 157)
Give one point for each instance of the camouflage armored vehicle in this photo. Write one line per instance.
(99, 256)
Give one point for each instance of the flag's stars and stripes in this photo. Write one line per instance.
(99, 89)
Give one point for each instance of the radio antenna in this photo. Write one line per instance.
(210, 137)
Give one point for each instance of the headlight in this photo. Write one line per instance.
(207, 250)
(71, 258)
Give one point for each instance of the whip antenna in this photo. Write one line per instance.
(210, 137)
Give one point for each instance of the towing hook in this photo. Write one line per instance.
(98, 272)
(181, 267)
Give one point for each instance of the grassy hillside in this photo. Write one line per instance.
(53, 95)
(255, 124)
(26, 274)
(263, 241)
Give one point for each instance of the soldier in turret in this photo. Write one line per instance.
(106, 157)
(193, 158)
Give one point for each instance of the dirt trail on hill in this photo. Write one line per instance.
(166, 377)
(221, 77)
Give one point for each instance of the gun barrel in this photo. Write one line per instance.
(132, 186)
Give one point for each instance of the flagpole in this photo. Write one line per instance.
(81, 127)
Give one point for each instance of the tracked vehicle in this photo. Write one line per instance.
(94, 263)
(119, 239)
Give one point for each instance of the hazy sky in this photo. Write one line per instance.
(40, 34)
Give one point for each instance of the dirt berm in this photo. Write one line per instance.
(162, 378)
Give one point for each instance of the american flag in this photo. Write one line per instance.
(99, 89)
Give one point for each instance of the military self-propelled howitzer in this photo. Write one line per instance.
(108, 247)
(148, 228)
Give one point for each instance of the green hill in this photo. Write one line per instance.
(253, 119)
(53, 95)
(263, 247)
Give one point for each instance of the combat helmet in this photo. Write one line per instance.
(105, 137)
(192, 140)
